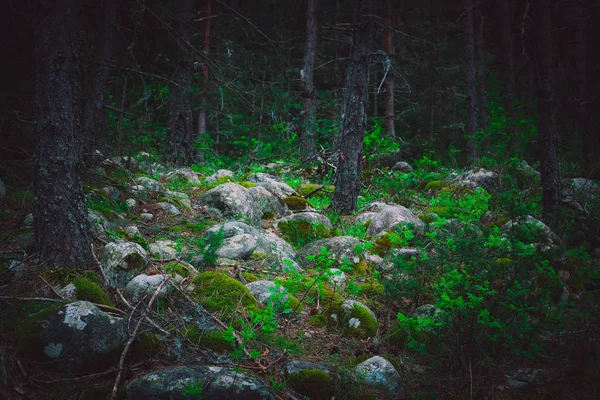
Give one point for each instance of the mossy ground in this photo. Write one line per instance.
(296, 203)
(300, 233)
(216, 341)
(313, 383)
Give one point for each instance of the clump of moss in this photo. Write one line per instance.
(318, 320)
(219, 293)
(367, 326)
(443, 212)
(503, 261)
(294, 303)
(313, 383)
(250, 277)
(247, 184)
(146, 345)
(312, 290)
(296, 203)
(371, 288)
(307, 188)
(435, 186)
(87, 284)
(300, 233)
(90, 291)
(215, 341)
(177, 268)
(268, 215)
(384, 243)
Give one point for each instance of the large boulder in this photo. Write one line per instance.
(76, 336)
(480, 177)
(393, 217)
(272, 183)
(163, 249)
(534, 232)
(143, 287)
(310, 379)
(184, 174)
(238, 247)
(206, 382)
(380, 374)
(121, 261)
(340, 248)
(150, 184)
(267, 203)
(232, 201)
(219, 175)
(402, 166)
(358, 320)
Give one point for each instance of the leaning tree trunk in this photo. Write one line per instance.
(347, 185)
(62, 228)
(178, 143)
(95, 121)
(309, 101)
(388, 47)
(547, 134)
(470, 81)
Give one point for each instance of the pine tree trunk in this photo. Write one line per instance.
(62, 228)
(309, 101)
(178, 143)
(95, 121)
(204, 83)
(388, 47)
(470, 80)
(509, 73)
(482, 100)
(347, 185)
(547, 134)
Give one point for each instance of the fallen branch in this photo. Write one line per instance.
(154, 324)
(132, 338)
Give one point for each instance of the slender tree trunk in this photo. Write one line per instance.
(309, 101)
(388, 47)
(347, 185)
(62, 228)
(547, 134)
(95, 122)
(482, 100)
(204, 83)
(509, 73)
(470, 76)
(178, 143)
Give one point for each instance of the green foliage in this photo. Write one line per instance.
(300, 233)
(193, 390)
(378, 142)
(208, 247)
(296, 203)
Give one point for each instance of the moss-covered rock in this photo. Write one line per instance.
(307, 188)
(247, 184)
(313, 383)
(435, 186)
(358, 321)
(370, 289)
(302, 232)
(219, 293)
(180, 269)
(384, 243)
(77, 284)
(216, 341)
(90, 291)
(146, 345)
(296, 203)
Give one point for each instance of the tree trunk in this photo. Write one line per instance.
(204, 83)
(482, 101)
(347, 185)
(547, 134)
(309, 102)
(470, 81)
(388, 47)
(509, 73)
(95, 122)
(178, 143)
(62, 228)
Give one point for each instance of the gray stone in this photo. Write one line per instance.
(545, 234)
(293, 367)
(147, 216)
(121, 261)
(179, 199)
(163, 249)
(402, 166)
(132, 231)
(381, 374)
(406, 253)
(217, 383)
(489, 180)
(112, 192)
(150, 184)
(337, 277)
(238, 247)
(309, 216)
(184, 174)
(169, 208)
(339, 247)
(222, 173)
(267, 292)
(393, 217)
(131, 202)
(377, 206)
(73, 336)
(232, 201)
(365, 217)
(143, 287)
(266, 202)
(272, 183)
(28, 221)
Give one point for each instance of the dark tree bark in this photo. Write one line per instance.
(482, 100)
(470, 79)
(178, 143)
(388, 47)
(309, 101)
(62, 229)
(95, 118)
(347, 185)
(508, 72)
(204, 83)
(547, 106)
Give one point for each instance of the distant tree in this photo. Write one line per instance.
(178, 142)
(508, 71)
(62, 228)
(95, 118)
(470, 80)
(547, 106)
(206, 52)
(309, 101)
(354, 121)
(481, 75)
(388, 47)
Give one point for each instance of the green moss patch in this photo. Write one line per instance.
(296, 203)
(371, 289)
(300, 233)
(90, 291)
(435, 185)
(222, 294)
(177, 268)
(247, 184)
(367, 327)
(215, 341)
(307, 188)
(313, 383)
(384, 243)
